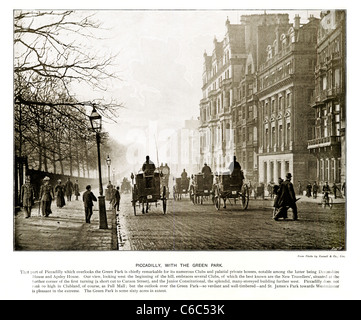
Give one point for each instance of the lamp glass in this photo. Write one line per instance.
(96, 121)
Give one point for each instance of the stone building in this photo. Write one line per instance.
(221, 76)
(284, 89)
(228, 109)
(328, 137)
(258, 30)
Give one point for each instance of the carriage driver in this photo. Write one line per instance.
(148, 168)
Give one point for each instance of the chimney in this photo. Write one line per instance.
(297, 21)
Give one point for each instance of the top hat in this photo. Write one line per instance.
(288, 175)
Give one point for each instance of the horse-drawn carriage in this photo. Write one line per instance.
(181, 187)
(231, 187)
(125, 186)
(201, 188)
(146, 190)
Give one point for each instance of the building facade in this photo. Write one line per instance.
(285, 87)
(221, 76)
(328, 142)
(258, 86)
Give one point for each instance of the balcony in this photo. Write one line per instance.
(324, 142)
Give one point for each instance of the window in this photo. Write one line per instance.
(280, 135)
(288, 99)
(266, 138)
(273, 136)
(250, 112)
(324, 83)
(288, 134)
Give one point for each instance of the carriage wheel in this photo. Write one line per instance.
(134, 202)
(245, 197)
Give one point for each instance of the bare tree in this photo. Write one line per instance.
(49, 59)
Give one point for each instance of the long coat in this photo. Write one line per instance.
(68, 188)
(27, 195)
(59, 191)
(88, 198)
(287, 195)
(46, 192)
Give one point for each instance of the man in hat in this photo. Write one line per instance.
(88, 198)
(287, 199)
(148, 169)
(27, 197)
(206, 170)
(46, 196)
(69, 189)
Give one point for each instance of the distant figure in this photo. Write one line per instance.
(59, 193)
(46, 196)
(184, 175)
(69, 189)
(206, 170)
(88, 198)
(308, 189)
(334, 190)
(235, 167)
(300, 189)
(343, 188)
(326, 189)
(27, 196)
(76, 190)
(314, 190)
(148, 168)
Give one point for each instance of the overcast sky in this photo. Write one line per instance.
(160, 62)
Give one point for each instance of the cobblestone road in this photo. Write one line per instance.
(200, 227)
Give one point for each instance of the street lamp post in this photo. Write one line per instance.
(96, 124)
(109, 161)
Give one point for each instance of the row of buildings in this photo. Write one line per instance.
(274, 96)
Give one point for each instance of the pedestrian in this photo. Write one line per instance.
(59, 193)
(334, 189)
(300, 189)
(314, 190)
(76, 189)
(88, 198)
(287, 199)
(69, 189)
(27, 197)
(46, 196)
(276, 192)
(343, 188)
(116, 199)
(109, 193)
(308, 189)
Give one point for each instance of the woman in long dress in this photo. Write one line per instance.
(59, 192)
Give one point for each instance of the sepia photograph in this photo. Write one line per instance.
(179, 130)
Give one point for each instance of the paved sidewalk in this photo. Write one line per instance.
(65, 229)
(318, 200)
